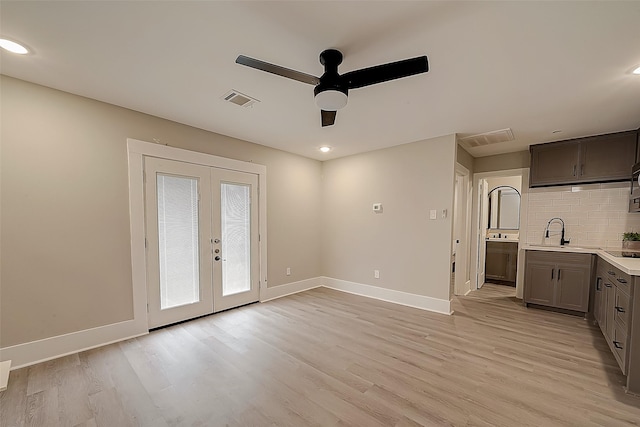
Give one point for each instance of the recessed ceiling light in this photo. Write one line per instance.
(325, 149)
(14, 47)
(636, 71)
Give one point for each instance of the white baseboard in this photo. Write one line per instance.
(291, 288)
(45, 349)
(389, 295)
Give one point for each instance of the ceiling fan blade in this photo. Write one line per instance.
(278, 70)
(328, 117)
(386, 72)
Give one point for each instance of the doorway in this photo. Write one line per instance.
(202, 240)
(498, 227)
(460, 283)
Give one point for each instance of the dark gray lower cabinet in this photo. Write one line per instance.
(612, 309)
(501, 261)
(558, 279)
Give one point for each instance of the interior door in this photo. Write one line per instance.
(482, 230)
(178, 231)
(236, 239)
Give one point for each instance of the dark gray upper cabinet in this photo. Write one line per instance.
(602, 158)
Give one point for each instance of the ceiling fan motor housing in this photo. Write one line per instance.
(331, 94)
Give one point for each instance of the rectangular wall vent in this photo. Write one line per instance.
(239, 98)
(482, 139)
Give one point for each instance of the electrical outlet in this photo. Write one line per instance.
(433, 214)
(288, 271)
(376, 274)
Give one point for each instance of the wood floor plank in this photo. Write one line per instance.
(42, 409)
(327, 358)
(13, 401)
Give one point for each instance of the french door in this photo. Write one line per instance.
(202, 240)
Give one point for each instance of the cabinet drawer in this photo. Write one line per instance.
(617, 277)
(619, 346)
(621, 308)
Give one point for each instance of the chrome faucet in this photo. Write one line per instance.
(562, 239)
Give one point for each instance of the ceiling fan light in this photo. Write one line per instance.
(331, 100)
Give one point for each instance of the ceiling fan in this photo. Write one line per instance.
(331, 89)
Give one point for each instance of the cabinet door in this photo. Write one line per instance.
(496, 262)
(608, 301)
(539, 283)
(597, 300)
(554, 163)
(607, 157)
(572, 291)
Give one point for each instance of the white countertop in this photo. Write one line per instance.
(628, 265)
(497, 239)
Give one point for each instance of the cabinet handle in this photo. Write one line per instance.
(608, 285)
(621, 280)
(552, 270)
(598, 284)
(617, 344)
(611, 273)
(619, 309)
(574, 170)
(559, 274)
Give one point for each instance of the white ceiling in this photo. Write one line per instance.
(535, 67)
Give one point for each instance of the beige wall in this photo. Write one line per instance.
(411, 251)
(510, 181)
(499, 162)
(465, 159)
(65, 247)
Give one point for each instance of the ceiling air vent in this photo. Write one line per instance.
(239, 98)
(482, 139)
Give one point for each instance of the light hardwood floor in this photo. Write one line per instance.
(327, 358)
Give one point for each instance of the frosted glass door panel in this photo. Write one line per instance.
(235, 207)
(178, 233)
(178, 241)
(235, 239)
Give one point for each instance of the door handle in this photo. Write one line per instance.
(216, 241)
(217, 258)
(617, 344)
(574, 170)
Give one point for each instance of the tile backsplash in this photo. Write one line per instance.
(594, 214)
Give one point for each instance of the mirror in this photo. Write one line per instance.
(504, 208)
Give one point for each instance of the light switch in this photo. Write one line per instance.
(433, 214)
(377, 207)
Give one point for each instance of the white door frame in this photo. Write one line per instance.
(463, 193)
(136, 151)
(475, 237)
